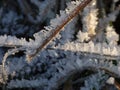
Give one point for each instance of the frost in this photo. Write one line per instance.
(82, 36)
(93, 82)
(71, 45)
(91, 48)
(111, 80)
(90, 18)
(111, 35)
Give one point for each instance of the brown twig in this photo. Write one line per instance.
(70, 16)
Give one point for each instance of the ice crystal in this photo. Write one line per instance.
(72, 43)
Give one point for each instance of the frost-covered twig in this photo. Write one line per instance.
(103, 22)
(7, 54)
(57, 63)
(100, 49)
(59, 27)
(12, 41)
(90, 19)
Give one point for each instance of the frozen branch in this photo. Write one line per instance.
(59, 27)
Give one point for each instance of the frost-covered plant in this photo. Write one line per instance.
(51, 60)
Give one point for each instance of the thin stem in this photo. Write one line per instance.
(70, 16)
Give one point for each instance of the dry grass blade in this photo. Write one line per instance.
(75, 12)
(117, 85)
